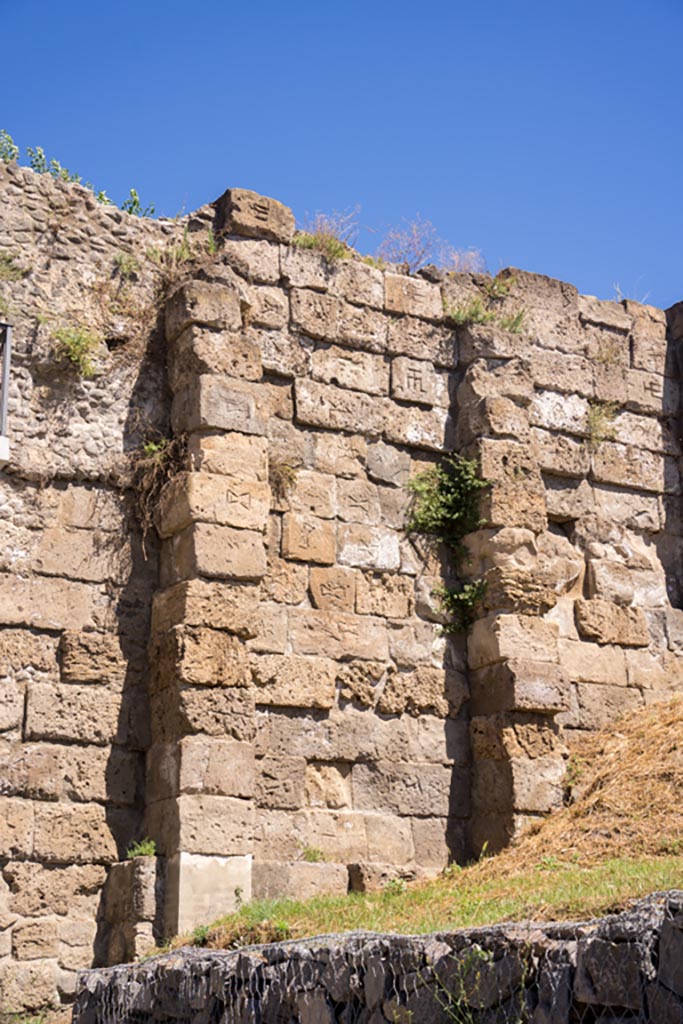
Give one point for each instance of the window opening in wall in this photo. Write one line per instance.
(5, 353)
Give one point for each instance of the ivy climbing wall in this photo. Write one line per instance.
(216, 629)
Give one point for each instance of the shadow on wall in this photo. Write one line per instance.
(670, 542)
(147, 418)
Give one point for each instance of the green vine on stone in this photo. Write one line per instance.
(446, 506)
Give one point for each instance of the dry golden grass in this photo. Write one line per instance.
(618, 840)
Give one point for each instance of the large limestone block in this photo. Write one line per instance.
(337, 635)
(414, 380)
(54, 771)
(328, 785)
(387, 595)
(16, 827)
(492, 378)
(425, 690)
(298, 880)
(602, 704)
(604, 314)
(324, 405)
(199, 350)
(413, 296)
(285, 582)
(211, 498)
(201, 888)
(650, 393)
(503, 637)
(368, 547)
(83, 555)
(504, 736)
(305, 268)
(215, 711)
(628, 466)
(558, 454)
(550, 309)
(645, 432)
(202, 823)
(267, 307)
(491, 417)
(314, 494)
(520, 784)
(49, 603)
(650, 348)
(387, 464)
(614, 581)
(559, 371)
(35, 940)
(592, 663)
(37, 889)
(205, 549)
(421, 340)
(609, 623)
(418, 790)
(280, 783)
(25, 655)
(519, 686)
(213, 402)
(431, 429)
(336, 453)
(307, 538)
(349, 368)
(552, 411)
(30, 985)
(242, 212)
(202, 302)
(243, 456)
(333, 589)
(196, 602)
(86, 714)
(201, 764)
(196, 656)
(79, 833)
(257, 261)
(317, 315)
(293, 681)
(271, 637)
(358, 283)
(97, 658)
(359, 502)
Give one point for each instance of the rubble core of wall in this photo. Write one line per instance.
(304, 725)
(622, 968)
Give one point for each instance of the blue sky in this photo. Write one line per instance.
(547, 135)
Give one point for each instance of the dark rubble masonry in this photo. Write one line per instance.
(624, 967)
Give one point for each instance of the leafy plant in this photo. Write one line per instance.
(472, 312)
(514, 322)
(499, 287)
(211, 243)
(460, 604)
(200, 935)
(127, 265)
(8, 150)
(37, 160)
(78, 345)
(312, 855)
(144, 848)
(332, 234)
(600, 422)
(133, 206)
(9, 270)
(154, 463)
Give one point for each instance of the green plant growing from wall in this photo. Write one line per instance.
(332, 234)
(133, 206)
(513, 323)
(445, 506)
(127, 266)
(8, 150)
(312, 855)
(143, 848)
(78, 346)
(9, 270)
(600, 423)
(466, 313)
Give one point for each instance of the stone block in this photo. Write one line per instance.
(284, 354)
(387, 464)
(97, 658)
(417, 790)
(502, 637)
(333, 589)
(16, 827)
(413, 296)
(196, 656)
(313, 493)
(560, 455)
(427, 689)
(211, 498)
(324, 405)
(47, 771)
(306, 538)
(344, 456)
(337, 635)
(362, 328)
(216, 711)
(616, 582)
(234, 455)
(37, 889)
(202, 302)
(650, 393)
(602, 704)
(552, 411)
(387, 595)
(628, 466)
(49, 603)
(242, 212)
(222, 403)
(328, 785)
(567, 498)
(592, 663)
(267, 307)
(491, 417)
(350, 368)
(414, 380)
(205, 549)
(645, 432)
(196, 602)
(420, 340)
(604, 314)
(650, 350)
(357, 282)
(79, 833)
(316, 314)
(359, 502)
(198, 350)
(202, 824)
(280, 783)
(31, 985)
(257, 261)
(75, 946)
(86, 714)
(35, 940)
(609, 623)
(368, 547)
(200, 764)
(526, 686)
(271, 637)
(389, 837)
(200, 888)
(431, 429)
(298, 880)
(292, 681)
(11, 705)
(286, 582)
(560, 371)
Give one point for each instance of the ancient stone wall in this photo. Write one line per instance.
(303, 722)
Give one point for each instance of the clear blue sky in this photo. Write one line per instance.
(547, 134)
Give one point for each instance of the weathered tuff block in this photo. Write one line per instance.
(204, 549)
(212, 498)
(241, 212)
(204, 303)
